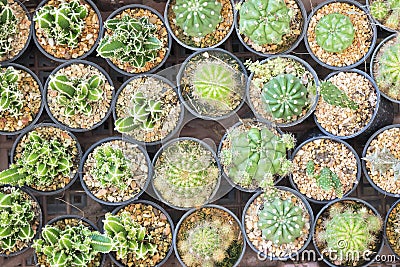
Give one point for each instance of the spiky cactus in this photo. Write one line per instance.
(387, 12)
(8, 27)
(382, 160)
(326, 178)
(197, 17)
(284, 96)
(336, 97)
(379, 10)
(11, 98)
(77, 95)
(63, 23)
(132, 40)
(334, 32)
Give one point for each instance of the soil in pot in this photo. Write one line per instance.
(386, 13)
(209, 237)
(393, 229)
(23, 103)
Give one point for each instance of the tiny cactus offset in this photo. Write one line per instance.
(11, 98)
(326, 178)
(336, 97)
(8, 28)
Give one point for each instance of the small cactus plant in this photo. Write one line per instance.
(387, 12)
(379, 10)
(8, 27)
(11, 98)
(382, 160)
(197, 18)
(336, 97)
(265, 22)
(334, 32)
(326, 178)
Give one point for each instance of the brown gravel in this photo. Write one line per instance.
(393, 229)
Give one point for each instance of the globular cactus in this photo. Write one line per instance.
(387, 12)
(379, 10)
(197, 18)
(265, 22)
(334, 32)
(8, 27)
(284, 96)
(132, 40)
(336, 97)
(11, 98)
(77, 95)
(64, 23)
(326, 178)
(382, 160)
(142, 113)
(280, 221)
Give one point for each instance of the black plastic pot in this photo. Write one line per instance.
(35, 77)
(79, 156)
(34, 199)
(373, 41)
(146, 202)
(358, 176)
(364, 166)
(44, 52)
(191, 211)
(312, 106)
(181, 115)
(120, 10)
(385, 229)
(46, 86)
(167, 24)
(368, 3)
(318, 220)
(261, 254)
(107, 203)
(382, 116)
(290, 49)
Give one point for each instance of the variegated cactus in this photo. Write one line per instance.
(336, 97)
(8, 27)
(11, 98)
(325, 179)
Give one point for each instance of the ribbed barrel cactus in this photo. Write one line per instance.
(197, 17)
(265, 22)
(388, 12)
(11, 98)
(8, 27)
(284, 96)
(336, 97)
(334, 32)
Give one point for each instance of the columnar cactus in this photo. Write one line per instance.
(280, 221)
(197, 17)
(334, 32)
(382, 160)
(131, 40)
(336, 97)
(63, 23)
(77, 95)
(8, 27)
(265, 22)
(284, 96)
(11, 98)
(387, 11)
(326, 178)
(142, 113)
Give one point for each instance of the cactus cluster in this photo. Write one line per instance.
(63, 23)
(265, 22)
(387, 12)
(131, 41)
(142, 113)
(334, 32)
(326, 178)
(11, 98)
(382, 160)
(77, 95)
(336, 97)
(128, 236)
(8, 27)
(197, 18)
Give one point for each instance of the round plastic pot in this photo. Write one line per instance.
(290, 49)
(46, 87)
(382, 116)
(44, 52)
(310, 110)
(261, 253)
(35, 77)
(373, 41)
(184, 102)
(152, 10)
(380, 238)
(385, 229)
(73, 179)
(107, 203)
(191, 211)
(167, 24)
(34, 199)
(146, 202)
(178, 124)
(166, 145)
(358, 176)
(364, 166)
(368, 2)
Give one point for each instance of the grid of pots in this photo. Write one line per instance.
(187, 173)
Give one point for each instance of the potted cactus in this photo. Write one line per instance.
(199, 24)
(147, 109)
(209, 236)
(45, 159)
(127, 27)
(270, 27)
(21, 98)
(141, 233)
(78, 95)
(340, 34)
(348, 232)
(115, 171)
(252, 153)
(186, 173)
(71, 240)
(20, 220)
(385, 13)
(392, 229)
(288, 73)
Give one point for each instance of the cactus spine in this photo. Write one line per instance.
(336, 97)
(382, 160)
(326, 178)
(11, 98)
(8, 27)
(387, 12)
